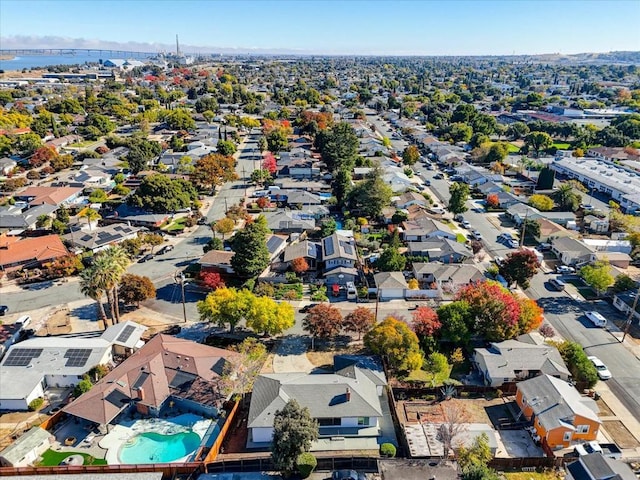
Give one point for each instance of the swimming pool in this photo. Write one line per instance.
(152, 447)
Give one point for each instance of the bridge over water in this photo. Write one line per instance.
(76, 51)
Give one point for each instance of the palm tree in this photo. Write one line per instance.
(90, 214)
(89, 287)
(117, 261)
(566, 198)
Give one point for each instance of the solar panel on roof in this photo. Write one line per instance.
(328, 246)
(77, 357)
(126, 333)
(21, 357)
(347, 248)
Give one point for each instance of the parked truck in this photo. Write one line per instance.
(610, 450)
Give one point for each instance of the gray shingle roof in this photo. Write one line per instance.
(556, 402)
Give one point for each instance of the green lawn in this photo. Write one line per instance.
(178, 224)
(422, 376)
(583, 289)
(513, 148)
(532, 476)
(51, 458)
(460, 238)
(561, 146)
(83, 144)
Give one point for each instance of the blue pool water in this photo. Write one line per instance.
(151, 447)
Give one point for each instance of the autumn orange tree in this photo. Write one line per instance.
(211, 280)
(213, 170)
(531, 315)
(323, 321)
(360, 321)
(42, 155)
(425, 322)
(493, 201)
(299, 265)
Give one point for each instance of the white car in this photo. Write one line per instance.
(596, 318)
(437, 210)
(565, 269)
(603, 371)
(465, 224)
(512, 243)
(476, 235)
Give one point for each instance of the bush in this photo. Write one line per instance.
(306, 463)
(388, 450)
(36, 404)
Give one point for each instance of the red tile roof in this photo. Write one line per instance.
(37, 250)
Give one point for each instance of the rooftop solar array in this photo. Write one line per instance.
(328, 246)
(347, 248)
(126, 333)
(77, 357)
(21, 357)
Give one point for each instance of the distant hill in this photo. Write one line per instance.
(626, 58)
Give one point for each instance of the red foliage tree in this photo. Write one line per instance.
(495, 310)
(269, 163)
(211, 280)
(42, 155)
(299, 265)
(425, 322)
(323, 321)
(262, 202)
(360, 321)
(520, 266)
(493, 201)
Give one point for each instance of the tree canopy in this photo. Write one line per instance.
(395, 339)
(293, 432)
(162, 194)
(251, 254)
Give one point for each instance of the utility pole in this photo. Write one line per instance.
(244, 179)
(627, 324)
(524, 228)
(179, 279)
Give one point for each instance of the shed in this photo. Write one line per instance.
(26, 449)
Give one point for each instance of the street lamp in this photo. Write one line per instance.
(179, 279)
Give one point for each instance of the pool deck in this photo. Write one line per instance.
(121, 433)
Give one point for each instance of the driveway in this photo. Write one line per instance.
(291, 356)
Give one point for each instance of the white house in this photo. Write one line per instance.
(390, 285)
(347, 403)
(423, 228)
(572, 252)
(26, 449)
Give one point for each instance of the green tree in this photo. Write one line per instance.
(224, 226)
(43, 221)
(98, 196)
(459, 194)
(567, 198)
(623, 283)
(541, 202)
(328, 226)
(141, 152)
(598, 276)
(497, 152)
(460, 132)
(581, 368)
(338, 146)
(410, 155)
(391, 260)
(478, 453)
(520, 267)
(180, 119)
(90, 214)
(342, 185)
(90, 287)
(371, 195)
(517, 130)
(161, 194)
(277, 140)
(395, 340)
(538, 141)
(262, 144)
(531, 228)
(293, 432)
(251, 255)
(226, 148)
(261, 177)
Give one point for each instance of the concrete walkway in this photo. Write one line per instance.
(291, 355)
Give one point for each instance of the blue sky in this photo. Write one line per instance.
(413, 27)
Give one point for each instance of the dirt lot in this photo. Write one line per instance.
(324, 358)
(605, 411)
(16, 423)
(621, 435)
(58, 323)
(472, 410)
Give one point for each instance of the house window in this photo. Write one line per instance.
(329, 422)
(363, 421)
(583, 428)
(567, 436)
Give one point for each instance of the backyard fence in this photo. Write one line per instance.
(263, 463)
(407, 393)
(169, 470)
(215, 448)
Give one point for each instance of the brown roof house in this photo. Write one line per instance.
(29, 252)
(166, 371)
(50, 195)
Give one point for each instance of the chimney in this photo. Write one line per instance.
(348, 394)
(140, 393)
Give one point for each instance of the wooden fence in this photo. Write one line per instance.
(264, 464)
(215, 448)
(169, 470)
(407, 393)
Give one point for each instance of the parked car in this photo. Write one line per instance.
(565, 269)
(347, 475)
(544, 247)
(165, 249)
(504, 237)
(4, 309)
(499, 261)
(437, 210)
(603, 371)
(512, 243)
(146, 258)
(557, 284)
(438, 176)
(427, 183)
(465, 224)
(476, 235)
(173, 330)
(306, 308)
(596, 318)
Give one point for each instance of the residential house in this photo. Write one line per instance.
(348, 403)
(166, 369)
(572, 252)
(489, 187)
(408, 199)
(596, 466)
(609, 245)
(27, 448)
(441, 250)
(310, 251)
(285, 221)
(216, 261)
(397, 180)
(56, 196)
(425, 228)
(91, 179)
(514, 361)
(300, 198)
(338, 251)
(550, 230)
(18, 217)
(595, 224)
(446, 278)
(507, 199)
(9, 334)
(615, 259)
(7, 165)
(559, 414)
(390, 285)
(624, 301)
(519, 212)
(299, 167)
(38, 363)
(16, 253)
(137, 216)
(98, 238)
